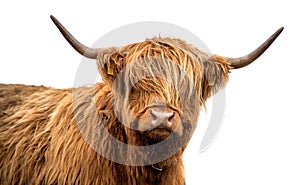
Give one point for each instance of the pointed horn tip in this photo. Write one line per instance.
(52, 17)
(278, 32)
(55, 21)
(275, 35)
(281, 29)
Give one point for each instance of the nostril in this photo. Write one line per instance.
(152, 115)
(171, 118)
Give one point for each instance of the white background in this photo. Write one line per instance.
(259, 142)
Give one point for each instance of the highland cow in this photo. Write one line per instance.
(152, 93)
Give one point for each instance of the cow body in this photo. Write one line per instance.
(40, 142)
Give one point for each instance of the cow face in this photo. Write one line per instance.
(160, 84)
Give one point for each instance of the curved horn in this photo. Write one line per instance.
(248, 59)
(80, 48)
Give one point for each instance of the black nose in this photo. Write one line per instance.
(162, 118)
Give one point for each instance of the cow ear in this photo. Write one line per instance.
(110, 62)
(216, 70)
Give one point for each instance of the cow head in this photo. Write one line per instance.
(159, 85)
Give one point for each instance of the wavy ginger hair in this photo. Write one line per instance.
(52, 136)
(41, 141)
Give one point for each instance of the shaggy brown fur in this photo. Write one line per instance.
(44, 131)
